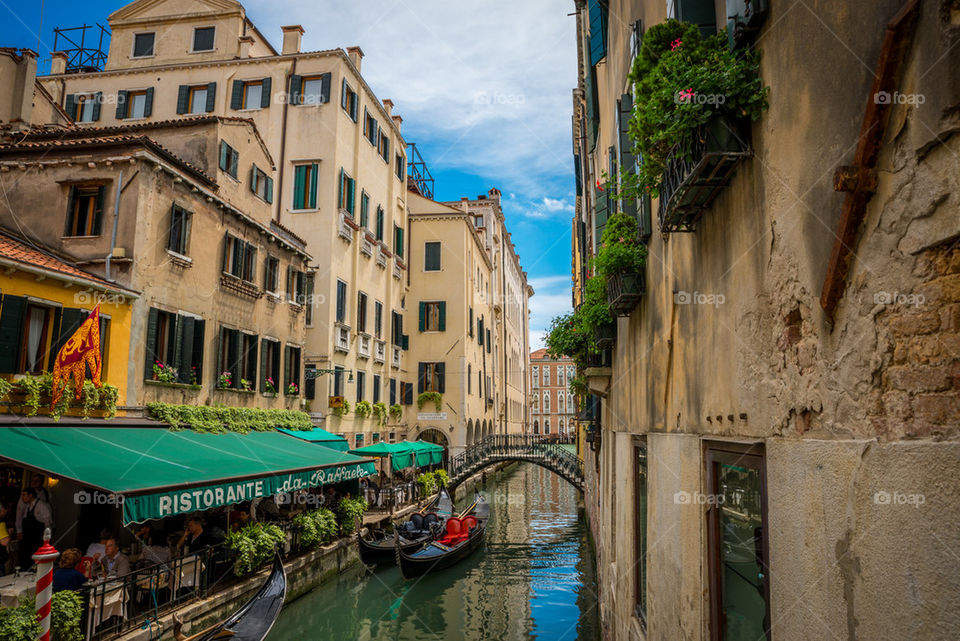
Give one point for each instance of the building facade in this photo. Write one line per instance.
(772, 459)
(553, 407)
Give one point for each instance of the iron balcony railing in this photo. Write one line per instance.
(535, 448)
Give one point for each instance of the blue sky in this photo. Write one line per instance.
(484, 89)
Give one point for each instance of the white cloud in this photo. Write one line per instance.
(551, 298)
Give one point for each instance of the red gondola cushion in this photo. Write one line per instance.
(470, 522)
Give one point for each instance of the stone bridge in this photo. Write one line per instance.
(527, 448)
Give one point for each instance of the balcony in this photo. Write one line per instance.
(624, 291)
(363, 346)
(606, 336)
(395, 357)
(345, 228)
(342, 338)
(397, 269)
(380, 352)
(366, 246)
(697, 170)
(381, 256)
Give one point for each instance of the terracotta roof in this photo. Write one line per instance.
(17, 250)
(541, 355)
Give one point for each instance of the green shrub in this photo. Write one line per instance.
(254, 545)
(428, 483)
(380, 412)
(221, 419)
(396, 411)
(363, 409)
(442, 478)
(316, 526)
(620, 247)
(348, 511)
(19, 624)
(66, 609)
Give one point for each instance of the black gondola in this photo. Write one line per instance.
(377, 546)
(254, 620)
(463, 536)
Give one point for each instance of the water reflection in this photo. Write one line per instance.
(535, 579)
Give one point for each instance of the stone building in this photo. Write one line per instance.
(553, 407)
(776, 454)
(510, 294)
(340, 181)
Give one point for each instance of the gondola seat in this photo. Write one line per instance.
(469, 522)
(456, 532)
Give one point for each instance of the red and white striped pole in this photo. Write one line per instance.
(44, 558)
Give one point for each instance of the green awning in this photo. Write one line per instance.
(320, 436)
(401, 453)
(427, 453)
(159, 473)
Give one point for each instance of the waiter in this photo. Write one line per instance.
(35, 519)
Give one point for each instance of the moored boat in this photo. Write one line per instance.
(378, 546)
(463, 536)
(254, 620)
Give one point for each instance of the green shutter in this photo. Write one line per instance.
(233, 356)
(351, 186)
(183, 99)
(122, 104)
(299, 184)
(598, 30)
(253, 178)
(211, 97)
(234, 162)
(441, 378)
(421, 377)
(12, 321)
(97, 101)
(423, 316)
(263, 364)
(196, 359)
(443, 316)
(268, 194)
(314, 175)
(98, 211)
(236, 95)
(325, 88)
(340, 190)
(184, 360)
(70, 106)
(149, 355)
(296, 85)
(148, 103)
(265, 90)
(224, 155)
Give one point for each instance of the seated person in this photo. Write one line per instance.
(240, 517)
(96, 550)
(66, 577)
(154, 551)
(113, 562)
(195, 537)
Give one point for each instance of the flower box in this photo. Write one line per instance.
(606, 336)
(624, 291)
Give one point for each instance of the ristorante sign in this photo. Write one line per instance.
(162, 504)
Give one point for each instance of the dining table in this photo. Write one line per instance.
(14, 589)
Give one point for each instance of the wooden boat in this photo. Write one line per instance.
(377, 546)
(464, 535)
(254, 620)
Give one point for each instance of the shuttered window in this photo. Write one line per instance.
(305, 186)
(430, 378)
(261, 184)
(292, 370)
(364, 209)
(175, 340)
(134, 104)
(251, 94)
(204, 38)
(361, 385)
(310, 90)
(196, 99)
(229, 159)
(598, 30)
(349, 101)
(179, 229)
(85, 210)
(398, 241)
(341, 301)
(84, 107)
(433, 316)
(345, 192)
(143, 45)
(239, 258)
(381, 215)
(431, 257)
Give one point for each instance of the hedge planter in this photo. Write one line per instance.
(698, 169)
(606, 336)
(624, 291)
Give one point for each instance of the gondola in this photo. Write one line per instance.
(253, 621)
(377, 546)
(464, 534)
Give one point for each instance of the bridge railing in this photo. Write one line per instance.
(519, 446)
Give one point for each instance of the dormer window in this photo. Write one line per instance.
(203, 38)
(143, 45)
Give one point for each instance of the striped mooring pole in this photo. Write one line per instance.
(44, 558)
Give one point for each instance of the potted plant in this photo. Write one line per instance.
(380, 412)
(343, 410)
(293, 389)
(164, 373)
(396, 411)
(245, 385)
(620, 261)
(269, 387)
(363, 409)
(224, 380)
(427, 397)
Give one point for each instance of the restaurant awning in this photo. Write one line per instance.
(158, 473)
(320, 436)
(401, 453)
(427, 453)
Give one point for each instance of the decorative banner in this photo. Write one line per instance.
(80, 350)
(137, 509)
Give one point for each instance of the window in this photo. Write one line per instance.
(229, 159)
(238, 356)
(85, 210)
(371, 128)
(433, 316)
(546, 401)
(640, 520)
(271, 274)
(470, 324)
(203, 38)
(295, 286)
(380, 220)
(364, 209)
(251, 94)
(560, 376)
(378, 319)
(431, 377)
(560, 403)
(310, 90)
(337, 380)
(361, 380)
(348, 100)
(179, 230)
(134, 104)
(361, 312)
(270, 365)
(396, 329)
(305, 186)
(598, 30)
(345, 192)
(175, 340)
(400, 166)
(489, 343)
(536, 376)
(393, 391)
(310, 382)
(36, 335)
(431, 257)
(469, 378)
(308, 299)
(261, 184)
(546, 425)
(376, 388)
(358, 439)
(291, 364)
(84, 107)
(737, 542)
(196, 99)
(341, 301)
(239, 258)
(398, 241)
(383, 146)
(143, 45)
(546, 375)
(570, 404)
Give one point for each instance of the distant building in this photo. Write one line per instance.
(553, 407)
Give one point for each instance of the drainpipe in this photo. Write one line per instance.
(283, 140)
(116, 218)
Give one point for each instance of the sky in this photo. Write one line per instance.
(484, 89)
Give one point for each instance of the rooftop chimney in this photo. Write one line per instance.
(388, 105)
(58, 62)
(356, 55)
(22, 90)
(246, 42)
(398, 121)
(292, 35)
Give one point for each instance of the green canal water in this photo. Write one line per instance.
(534, 579)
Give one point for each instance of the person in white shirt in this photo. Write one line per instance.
(36, 517)
(96, 550)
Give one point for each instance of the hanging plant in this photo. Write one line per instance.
(343, 410)
(380, 412)
(427, 397)
(620, 247)
(396, 411)
(363, 409)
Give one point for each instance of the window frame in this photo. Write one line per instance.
(183, 241)
(95, 216)
(310, 187)
(213, 43)
(641, 540)
(433, 373)
(246, 87)
(400, 168)
(302, 96)
(363, 301)
(438, 313)
(192, 91)
(80, 101)
(271, 266)
(130, 95)
(248, 258)
(439, 245)
(349, 101)
(133, 45)
(232, 161)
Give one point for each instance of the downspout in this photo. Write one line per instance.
(503, 315)
(116, 218)
(283, 141)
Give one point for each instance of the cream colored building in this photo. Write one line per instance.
(340, 181)
(768, 467)
(510, 293)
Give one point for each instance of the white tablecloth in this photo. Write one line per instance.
(108, 602)
(11, 589)
(187, 574)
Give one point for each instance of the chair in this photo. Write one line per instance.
(470, 522)
(455, 532)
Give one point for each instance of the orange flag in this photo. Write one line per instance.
(80, 350)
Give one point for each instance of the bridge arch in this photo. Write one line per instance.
(529, 448)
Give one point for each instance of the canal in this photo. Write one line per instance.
(535, 579)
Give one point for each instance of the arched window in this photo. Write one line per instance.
(546, 425)
(536, 376)
(570, 401)
(560, 400)
(546, 401)
(560, 430)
